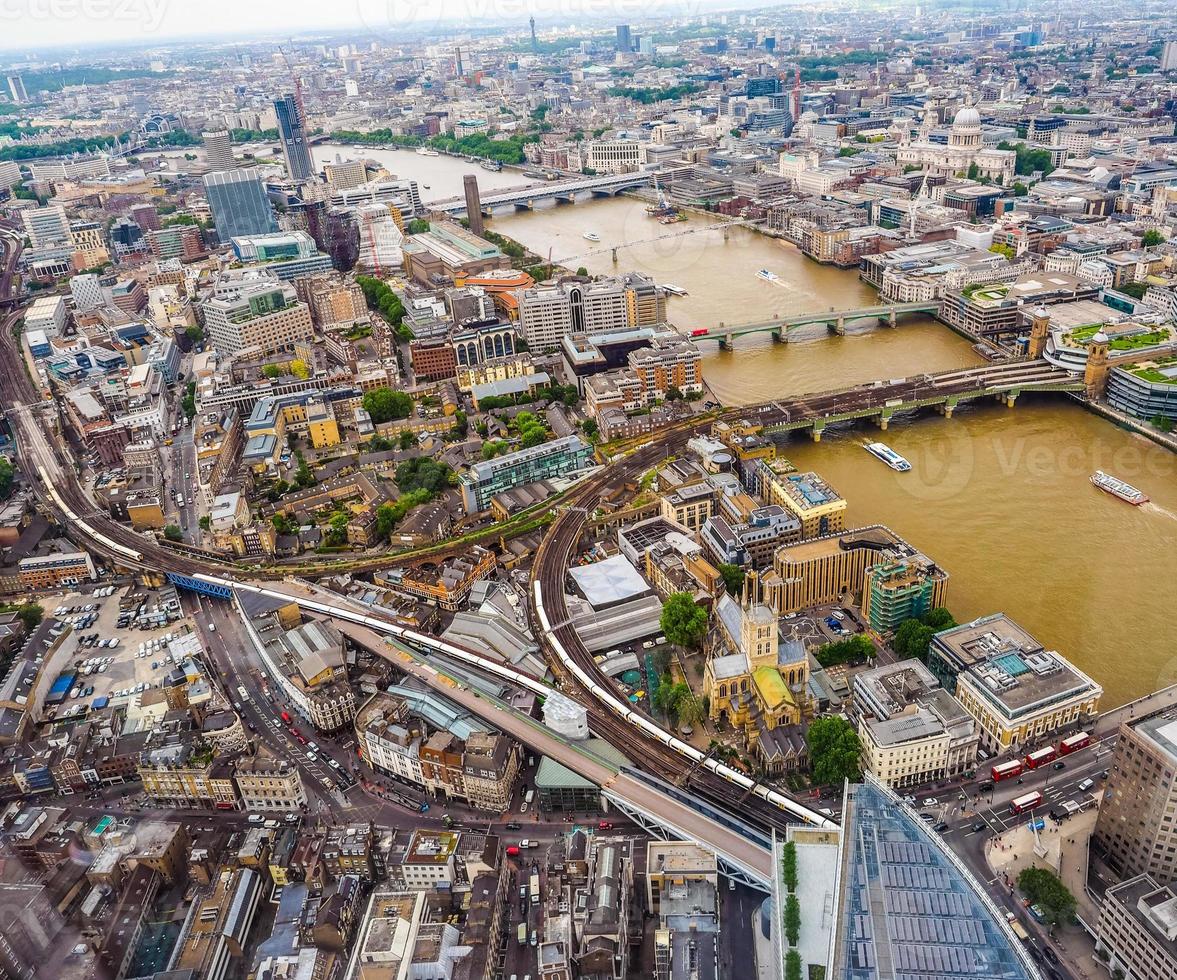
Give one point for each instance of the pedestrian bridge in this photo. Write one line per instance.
(526, 197)
(835, 320)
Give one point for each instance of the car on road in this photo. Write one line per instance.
(978, 826)
(1060, 765)
(1086, 785)
(931, 801)
(940, 827)
(927, 816)
(909, 800)
(604, 825)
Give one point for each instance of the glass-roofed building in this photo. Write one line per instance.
(906, 907)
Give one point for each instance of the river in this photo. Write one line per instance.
(1001, 498)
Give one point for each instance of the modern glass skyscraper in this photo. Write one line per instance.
(239, 203)
(292, 130)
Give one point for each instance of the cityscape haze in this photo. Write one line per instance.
(572, 491)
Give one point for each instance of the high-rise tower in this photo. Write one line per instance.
(292, 131)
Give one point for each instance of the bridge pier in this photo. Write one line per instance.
(726, 232)
(882, 421)
(528, 205)
(838, 326)
(725, 343)
(614, 253)
(1010, 398)
(779, 336)
(888, 320)
(815, 432)
(947, 407)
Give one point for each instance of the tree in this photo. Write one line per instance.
(205, 523)
(173, 533)
(939, 619)
(793, 965)
(406, 439)
(30, 615)
(691, 709)
(300, 369)
(281, 523)
(1161, 423)
(850, 650)
(582, 270)
(384, 405)
(789, 865)
(194, 334)
(733, 578)
(418, 226)
(1152, 237)
(7, 477)
(682, 622)
(834, 751)
(673, 394)
(272, 371)
(590, 428)
(188, 403)
(1045, 890)
(792, 920)
(1020, 189)
(422, 474)
(911, 639)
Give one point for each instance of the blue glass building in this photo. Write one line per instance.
(239, 204)
(292, 131)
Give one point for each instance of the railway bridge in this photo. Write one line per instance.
(880, 400)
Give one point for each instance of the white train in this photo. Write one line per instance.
(77, 522)
(526, 681)
(609, 699)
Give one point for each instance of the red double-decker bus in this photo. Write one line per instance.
(1007, 770)
(1024, 803)
(1074, 743)
(286, 717)
(1041, 757)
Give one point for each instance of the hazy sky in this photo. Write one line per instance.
(28, 25)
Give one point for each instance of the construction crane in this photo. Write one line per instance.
(302, 111)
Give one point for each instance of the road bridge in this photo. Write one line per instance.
(525, 198)
(835, 321)
(880, 400)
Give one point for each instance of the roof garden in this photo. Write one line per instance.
(1122, 337)
(1162, 371)
(986, 293)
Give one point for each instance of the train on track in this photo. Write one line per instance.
(605, 697)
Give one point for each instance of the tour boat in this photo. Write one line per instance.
(424, 151)
(1118, 488)
(765, 274)
(492, 165)
(888, 456)
(592, 236)
(673, 289)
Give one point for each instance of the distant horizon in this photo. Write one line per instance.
(38, 28)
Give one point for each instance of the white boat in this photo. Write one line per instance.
(1118, 488)
(765, 274)
(673, 289)
(592, 236)
(888, 455)
(424, 151)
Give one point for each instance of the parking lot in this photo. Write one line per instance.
(110, 660)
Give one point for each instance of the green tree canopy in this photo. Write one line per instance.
(7, 477)
(733, 578)
(384, 405)
(682, 621)
(173, 533)
(1045, 890)
(848, 650)
(834, 751)
(422, 474)
(1152, 237)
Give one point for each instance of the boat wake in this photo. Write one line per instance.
(1155, 508)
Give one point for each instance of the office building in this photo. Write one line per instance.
(551, 312)
(558, 457)
(380, 239)
(176, 242)
(264, 316)
(218, 149)
(449, 251)
(1137, 930)
(292, 131)
(288, 255)
(814, 502)
(1135, 832)
(239, 203)
(16, 89)
(905, 905)
(912, 730)
(47, 314)
(87, 292)
(1017, 691)
(824, 570)
(1168, 57)
(268, 782)
(900, 588)
(46, 226)
(473, 203)
(333, 300)
(624, 38)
